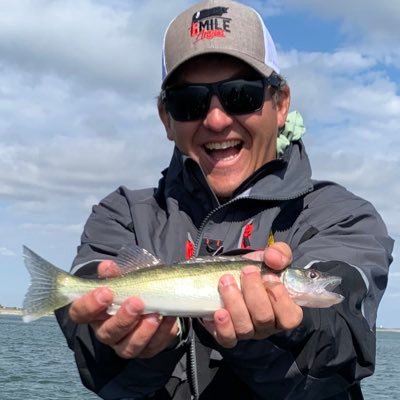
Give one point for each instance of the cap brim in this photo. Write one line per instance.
(260, 67)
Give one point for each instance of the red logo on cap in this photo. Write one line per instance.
(210, 23)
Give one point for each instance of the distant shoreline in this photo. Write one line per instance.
(14, 311)
(394, 330)
(10, 311)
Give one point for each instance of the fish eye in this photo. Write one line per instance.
(312, 274)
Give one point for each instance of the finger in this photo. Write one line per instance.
(278, 256)
(134, 343)
(162, 338)
(115, 328)
(257, 255)
(234, 303)
(288, 315)
(257, 301)
(223, 329)
(91, 306)
(108, 269)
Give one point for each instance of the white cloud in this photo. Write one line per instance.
(48, 229)
(349, 75)
(89, 42)
(392, 295)
(342, 61)
(366, 19)
(46, 34)
(267, 8)
(367, 26)
(72, 167)
(4, 251)
(77, 97)
(341, 87)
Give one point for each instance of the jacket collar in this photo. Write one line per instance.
(280, 179)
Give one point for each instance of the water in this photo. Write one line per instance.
(385, 383)
(35, 363)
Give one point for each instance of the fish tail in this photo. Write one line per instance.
(43, 295)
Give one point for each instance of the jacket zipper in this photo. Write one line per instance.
(193, 378)
(207, 218)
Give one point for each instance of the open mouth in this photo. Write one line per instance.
(225, 151)
(331, 283)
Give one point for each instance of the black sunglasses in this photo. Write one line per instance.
(238, 96)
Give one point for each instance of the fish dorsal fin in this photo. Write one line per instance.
(133, 258)
(213, 259)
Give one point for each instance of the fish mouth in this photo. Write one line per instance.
(322, 296)
(331, 283)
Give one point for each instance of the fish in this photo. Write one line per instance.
(185, 289)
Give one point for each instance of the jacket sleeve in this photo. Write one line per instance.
(108, 228)
(334, 348)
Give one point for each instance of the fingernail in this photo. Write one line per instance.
(154, 319)
(132, 309)
(109, 268)
(221, 318)
(250, 269)
(227, 280)
(102, 296)
(270, 278)
(283, 259)
(107, 271)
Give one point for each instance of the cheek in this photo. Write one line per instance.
(182, 133)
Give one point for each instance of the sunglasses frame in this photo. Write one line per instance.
(213, 89)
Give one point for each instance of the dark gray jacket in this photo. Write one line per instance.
(336, 231)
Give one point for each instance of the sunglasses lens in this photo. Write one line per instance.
(191, 102)
(188, 103)
(241, 96)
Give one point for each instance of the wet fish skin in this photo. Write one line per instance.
(187, 289)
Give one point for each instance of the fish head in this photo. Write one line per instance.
(312, 288)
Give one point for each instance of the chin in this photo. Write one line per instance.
(224, 185)
(225, 193)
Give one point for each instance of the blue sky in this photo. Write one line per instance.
(78, 82)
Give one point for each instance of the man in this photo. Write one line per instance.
(232, 185)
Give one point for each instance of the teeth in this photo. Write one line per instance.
(222, 145)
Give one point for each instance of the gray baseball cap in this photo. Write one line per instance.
(219, 26)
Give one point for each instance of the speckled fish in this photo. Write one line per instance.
(184, 289)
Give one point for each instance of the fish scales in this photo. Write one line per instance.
(188, 289)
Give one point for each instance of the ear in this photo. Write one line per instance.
(283, 105)
(165, 119)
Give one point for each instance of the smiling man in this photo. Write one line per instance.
(228, 142)
(239, 181)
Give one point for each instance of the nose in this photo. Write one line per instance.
(217, 119)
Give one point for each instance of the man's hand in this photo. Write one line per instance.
(261, 307)
(128, 332)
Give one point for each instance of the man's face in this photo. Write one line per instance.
(229, 148)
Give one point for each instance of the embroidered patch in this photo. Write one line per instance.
(189, 247)
(246, 235)
(271, 239)
(210, 23)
